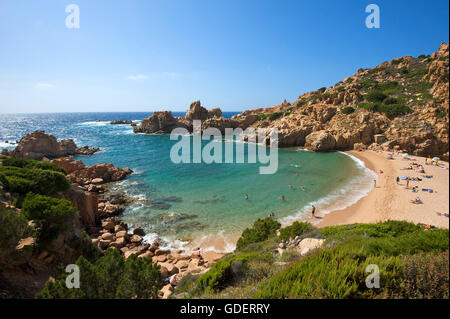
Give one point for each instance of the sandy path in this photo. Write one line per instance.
(390, 200)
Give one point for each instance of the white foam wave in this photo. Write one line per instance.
(357, 188)
(94, 123)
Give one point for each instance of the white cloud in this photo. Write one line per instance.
(42, 85)
(137, 77)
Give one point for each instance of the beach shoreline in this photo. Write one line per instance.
(391, 201)
(387, 201)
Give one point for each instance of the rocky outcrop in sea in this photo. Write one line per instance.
(39, 145)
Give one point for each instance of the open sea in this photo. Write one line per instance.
(182, 203)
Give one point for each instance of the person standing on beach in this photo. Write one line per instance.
(407, 183)
(313, 211)
(398, 179)
(375, 183)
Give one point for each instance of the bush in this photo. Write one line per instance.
(425, 276)
(334, 273)
(40, 181)
(348, 110)
(389, 228)
(13, 227)
(262, 229)
(4, 181)
(394, 110)
(397, 61)
(373, 107)
(296, 229)
(111, 276)
(390, 100)
(219, 275)
(30, 163)
(38, 207)
(55, 215)
(404, 70)
(375, 96)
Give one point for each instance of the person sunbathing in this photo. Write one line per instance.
(417, 201)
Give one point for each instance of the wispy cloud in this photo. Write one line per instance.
(137, 77)
(42, 85)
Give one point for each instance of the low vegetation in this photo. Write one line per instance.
(262, 229)
(407, 256)
(110, 276)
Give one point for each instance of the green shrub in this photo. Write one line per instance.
(300, 102)
(348, 110)
(4, 181)
(390, 100)
(397, 61)
(389, 229)
(296, 229)
(404, 70)
(386, 86)
(219, 275)
(38, 207)
(109, 277)
(425, 276)
(262, 229)
(373, 107)
(40, 181)
(441, 112)
(334, 273)
(13, 227)
(322, 89)
(54, 214)
(273, 116)
(30, 163)
(375, 96)
(394, 110)
(435, 240)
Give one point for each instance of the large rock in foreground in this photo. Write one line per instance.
(320, 141)
(38, 145)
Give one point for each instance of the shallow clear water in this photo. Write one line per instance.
(191, 200)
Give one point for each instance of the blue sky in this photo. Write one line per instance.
(234, 54)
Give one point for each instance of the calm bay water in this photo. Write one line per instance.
(181, 202)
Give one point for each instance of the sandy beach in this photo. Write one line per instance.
(392, 201)
(388, 201)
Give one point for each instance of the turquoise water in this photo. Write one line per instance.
(182, 202)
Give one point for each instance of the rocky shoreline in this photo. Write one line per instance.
(100, 208)
(41, 146)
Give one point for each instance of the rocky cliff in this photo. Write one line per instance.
(401, 104)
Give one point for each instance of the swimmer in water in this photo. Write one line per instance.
(282, 197)
(246, 196)
(290, 186)
(303, 188)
